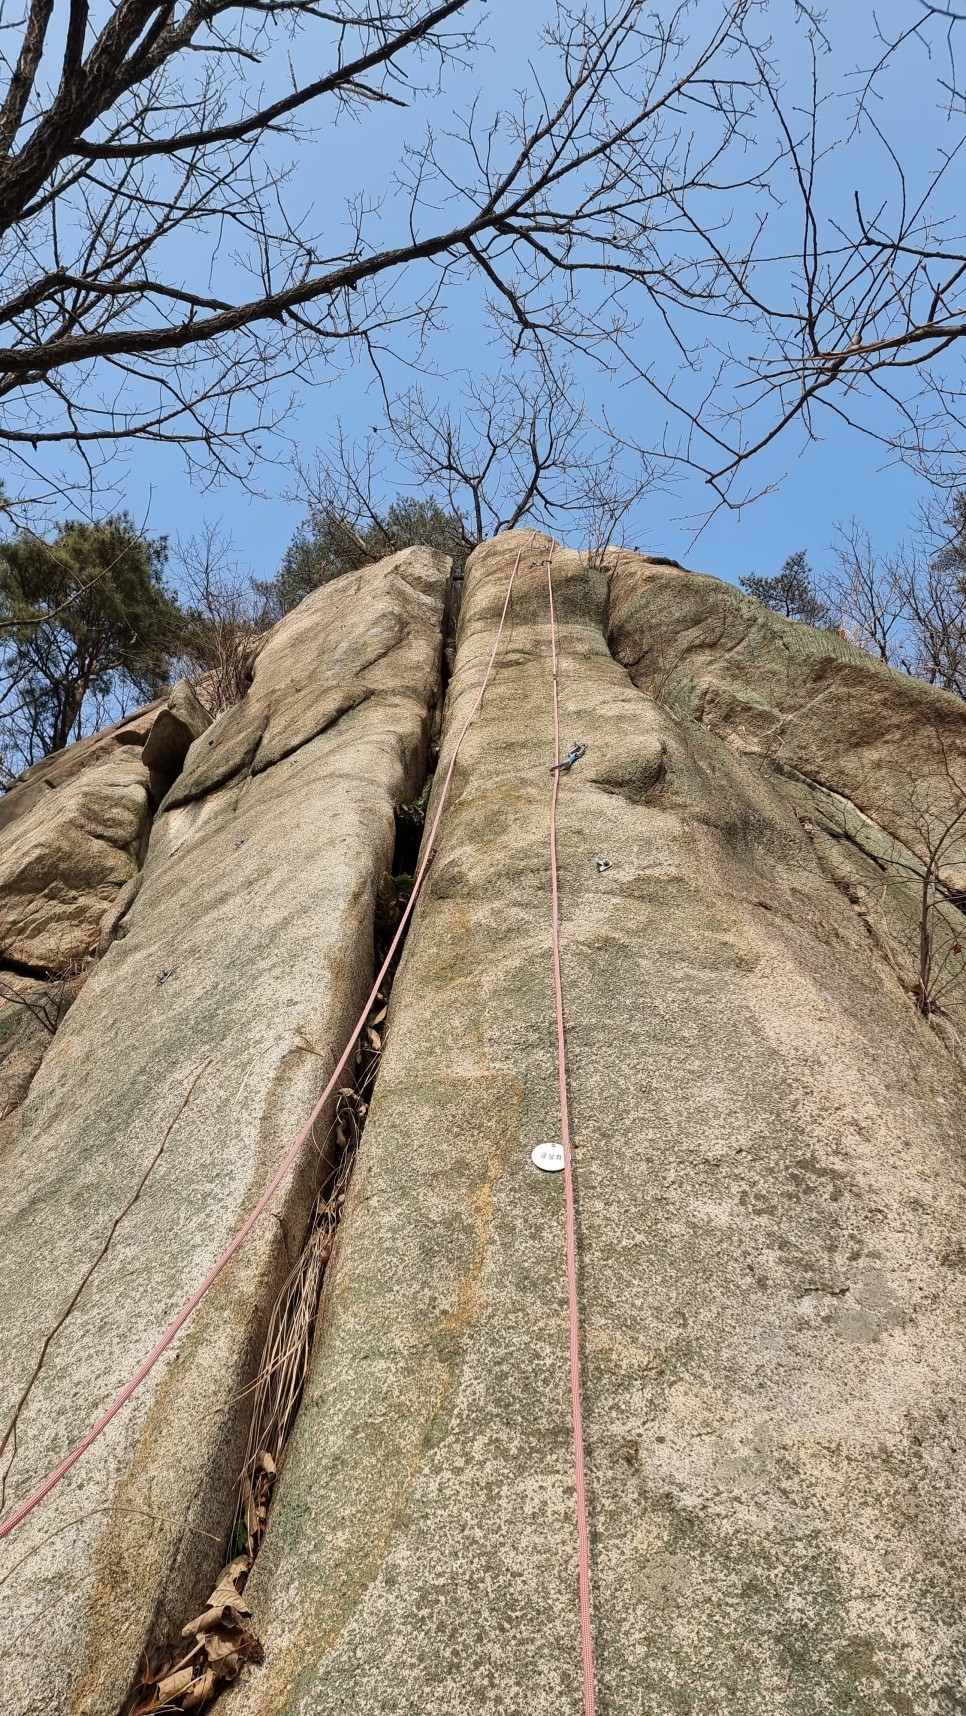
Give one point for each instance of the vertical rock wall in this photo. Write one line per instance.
(769, 1147)
(166, 1100)
(770, 1161)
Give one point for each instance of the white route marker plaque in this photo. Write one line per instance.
(549, 1157)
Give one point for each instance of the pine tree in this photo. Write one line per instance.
(84, 616)
(329, 544)
(792, 593)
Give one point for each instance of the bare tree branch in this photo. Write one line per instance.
(180, 122)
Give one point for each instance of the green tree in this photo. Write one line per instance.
(334, 540)
(84, 617)
(792, 593)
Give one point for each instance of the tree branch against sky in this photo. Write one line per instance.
(714, 210)
(163, 265)
(498, 452)
(853, 311)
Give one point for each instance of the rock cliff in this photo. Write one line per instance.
(762, 889)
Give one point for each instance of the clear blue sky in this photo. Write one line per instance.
(821, 484)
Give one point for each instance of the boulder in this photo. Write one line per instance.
(176, 1083)
(54, 771)
(771, 1203)
(65, 859)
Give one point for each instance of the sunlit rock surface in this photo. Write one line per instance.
(771, 1209)
(162, 1106)
(768, 1103)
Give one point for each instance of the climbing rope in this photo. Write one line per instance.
(144, 1369)
(573, 1303)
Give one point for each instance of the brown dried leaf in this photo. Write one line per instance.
(227, 1611)
(225, 1600)
(201, 1690)
(250, 1508)
(224, 1655)
(174, 1685)
(151, 1686)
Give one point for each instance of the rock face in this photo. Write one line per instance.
(771, 1198)
(768, 1118)
(53, 772)
(30, 1011)
(800, 699)
(166, 1099)
(65, 859)
(182, 720)
(73, 832)
(873, 762)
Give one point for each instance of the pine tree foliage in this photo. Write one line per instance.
(332, 542)
(792, 593)
(86, 624)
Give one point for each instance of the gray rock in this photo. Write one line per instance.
(30, 1011)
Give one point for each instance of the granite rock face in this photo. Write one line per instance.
(182, 720)
(771, 1208)
(768, 1117)
(166, 1099)
(74, 830)
(873, 761)
(63, 862)
(52, 772)
(800, 699)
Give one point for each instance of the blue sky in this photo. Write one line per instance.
(819, 485)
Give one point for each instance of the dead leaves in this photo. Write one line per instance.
(257, 1486)
(223, 1642)
(226, 1605)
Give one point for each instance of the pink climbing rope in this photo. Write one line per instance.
(573, 1303)
(144, 1369)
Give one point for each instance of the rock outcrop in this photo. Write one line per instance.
(74, 831)
(772, 1200)
(768, 1103)
(182, 720)
(166, 1099)
(55, 771)
(800, 699)
(65, 860)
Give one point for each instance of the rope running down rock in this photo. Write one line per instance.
(573, 1304)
